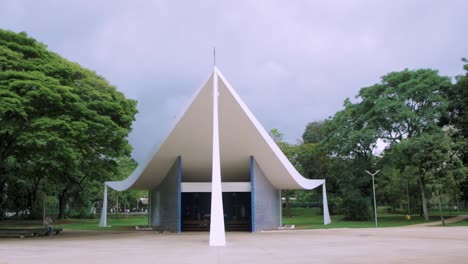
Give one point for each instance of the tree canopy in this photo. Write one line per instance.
(314, 132)
(402, 113)
(61, 125)
(411, 125)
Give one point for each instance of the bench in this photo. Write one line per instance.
(24, 232)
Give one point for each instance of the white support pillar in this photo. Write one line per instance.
(103, 220)
(326, 214)
(156, 210)
(217, 232)
(149, 209)
(280, 208)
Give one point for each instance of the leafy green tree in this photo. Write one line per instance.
(348, 135)
(310, 161)
(397, 185)
(314, 132)
(403, 105)
(456, 118)
(355, 207)
(57, 120)
(349, 143)
(314, 163)
(435, 158)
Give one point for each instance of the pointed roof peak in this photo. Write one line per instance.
(190, 138)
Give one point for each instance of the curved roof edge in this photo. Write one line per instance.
(302, 182)
(130, 181)
(295, 181)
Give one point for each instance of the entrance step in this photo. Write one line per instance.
(204, 225)
(238, 225)
(195, 225)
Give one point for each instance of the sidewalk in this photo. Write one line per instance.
(447, 221)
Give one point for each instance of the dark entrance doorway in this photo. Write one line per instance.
(196, 209)
(237, 211)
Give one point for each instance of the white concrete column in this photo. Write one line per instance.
(217, 232)
(280, 208)
(326, 214)
(156, 212)
(149, 208)
(103, 220)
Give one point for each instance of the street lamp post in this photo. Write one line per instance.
(373, 187)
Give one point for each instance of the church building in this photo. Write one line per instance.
(217, 170)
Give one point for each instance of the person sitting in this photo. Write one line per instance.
(49, 226)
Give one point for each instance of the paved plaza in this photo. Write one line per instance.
(370, 245)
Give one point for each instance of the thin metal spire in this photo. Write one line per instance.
(214, 56)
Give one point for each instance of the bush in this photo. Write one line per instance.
(335, 205)
(355, 207)
(79, 207)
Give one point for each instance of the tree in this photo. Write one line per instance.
(403, 105)
(310, 161)
(456, 117)
(75, 122)
(314, 132)
(348, 135)
(349, 145)
(435, 158)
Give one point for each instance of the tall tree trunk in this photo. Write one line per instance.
(440, 208)
(3, 196)
(288, 208)
(408, 197)
(62, 204)
(423, 199)
(30, 204)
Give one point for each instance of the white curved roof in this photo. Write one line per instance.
(241, 136)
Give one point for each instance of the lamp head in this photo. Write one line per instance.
(372, 174)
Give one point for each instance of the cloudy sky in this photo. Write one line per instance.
(292, 62)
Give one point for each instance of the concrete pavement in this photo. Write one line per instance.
(369, 245)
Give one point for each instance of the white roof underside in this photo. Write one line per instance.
(241, 136)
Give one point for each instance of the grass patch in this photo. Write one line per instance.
(448, 212)
(303, 218)
(310, 218)
(124, 222)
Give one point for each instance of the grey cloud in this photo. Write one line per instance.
(292, 62)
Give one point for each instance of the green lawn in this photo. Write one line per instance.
(310, 218)
(303, 218)
(449, 212)
(122, 223)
